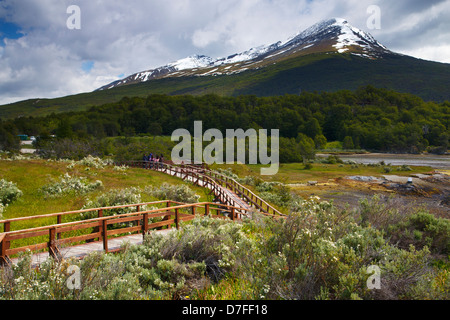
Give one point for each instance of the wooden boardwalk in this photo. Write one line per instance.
(82, 250)
(77, 238)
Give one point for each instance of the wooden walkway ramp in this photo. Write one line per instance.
(226, 189)
(75, 237)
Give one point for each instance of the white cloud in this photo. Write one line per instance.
(123, 37)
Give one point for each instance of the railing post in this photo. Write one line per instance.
(138, 222)
(105, 234)
(99, 228)
(4, 242)
(7, 227)
(232, 213)
(177, 218)
(3, 257)
(145, 225)
(206, 209)
(166, 217)
(58, 221)
(193, 210)
(52, 249)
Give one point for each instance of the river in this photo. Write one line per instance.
(434, 161)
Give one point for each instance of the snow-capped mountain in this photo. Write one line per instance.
(333, 35)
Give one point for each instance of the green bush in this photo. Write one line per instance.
(180, 193)
(387, 169)
(435, 232)
(333, 159)
(114, 197)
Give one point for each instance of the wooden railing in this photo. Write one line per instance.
(213, 180)
(97, 228)
(243, 192)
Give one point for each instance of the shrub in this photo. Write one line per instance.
(387, 169)
(308, 166)
(8, 192)
(333, 159)
(95, 162)
(404, 225)
(122, 168)
(114, 197)
(317, 252)
(68, 184)
(181, 193)
(435, 232)
(65, 148)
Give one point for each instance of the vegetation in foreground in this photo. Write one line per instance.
(318, 252)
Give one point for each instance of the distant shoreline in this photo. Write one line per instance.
(432, 160)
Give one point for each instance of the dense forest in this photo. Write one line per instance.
(369, 118)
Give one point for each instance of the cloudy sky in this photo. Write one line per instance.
(40, 57)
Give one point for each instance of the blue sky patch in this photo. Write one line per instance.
(9, 31)
(87, 66)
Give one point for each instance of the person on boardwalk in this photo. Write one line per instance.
(144, 158)
(161, 161)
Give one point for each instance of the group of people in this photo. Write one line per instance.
(151, 160)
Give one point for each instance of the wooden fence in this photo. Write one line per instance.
(97, 228)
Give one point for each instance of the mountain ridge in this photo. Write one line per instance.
(347, 39)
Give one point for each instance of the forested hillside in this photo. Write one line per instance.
(368, 118)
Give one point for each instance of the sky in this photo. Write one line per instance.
(48, 50)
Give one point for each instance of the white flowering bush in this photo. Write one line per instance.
(9, 192)
(181, 193)
(95, 162)
(88, 161)
(68, 184)
(122, 168)
(114, 197)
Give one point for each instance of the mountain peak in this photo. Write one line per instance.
(344, 35)
(330, 35)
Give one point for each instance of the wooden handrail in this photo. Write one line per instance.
(53, 230)
(83, 211)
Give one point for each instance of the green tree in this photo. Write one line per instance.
(348, 143)
(64, 129)
(320, 141)
(306, 147)
(312, 128)
(9, 140)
